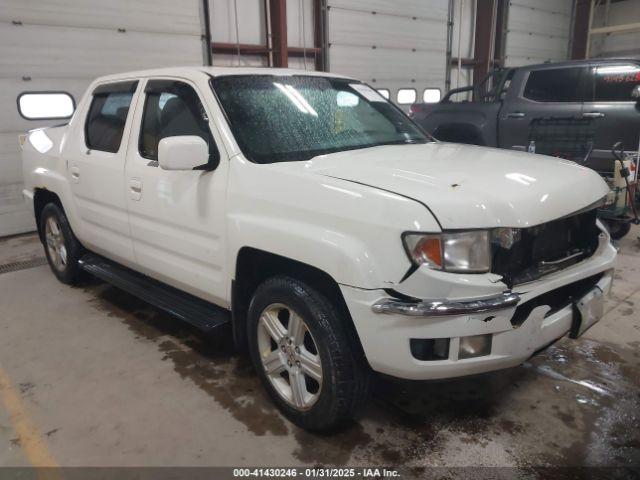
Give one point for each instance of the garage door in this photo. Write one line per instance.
(538, 31)
(397, 46)
(63, 45)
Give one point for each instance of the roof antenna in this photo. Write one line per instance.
(235, 9)
(304, 40)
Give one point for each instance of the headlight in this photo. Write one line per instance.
(462, 252)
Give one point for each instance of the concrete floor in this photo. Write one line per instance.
(94, 377)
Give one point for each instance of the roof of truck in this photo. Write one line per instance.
(590, 61)
(191, 71)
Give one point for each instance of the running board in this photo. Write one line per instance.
(201, 314)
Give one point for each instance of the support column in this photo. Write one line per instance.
(580, 29)
(278, 14)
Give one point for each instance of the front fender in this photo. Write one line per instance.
(350, 231)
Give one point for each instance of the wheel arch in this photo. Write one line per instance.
(41, 198)
(254, 266)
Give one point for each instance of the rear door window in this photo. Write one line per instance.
(107, 116)
(172, 108)
(555, 85)
(614, 83)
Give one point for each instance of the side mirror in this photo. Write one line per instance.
(185, 152)
(635, 93)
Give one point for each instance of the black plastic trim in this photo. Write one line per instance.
(128, 86)
(201, 314)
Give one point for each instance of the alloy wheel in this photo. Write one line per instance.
(55, 244)
(289, 356)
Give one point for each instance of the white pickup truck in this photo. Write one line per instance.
(334, 236)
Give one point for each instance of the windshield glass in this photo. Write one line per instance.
(296, 117)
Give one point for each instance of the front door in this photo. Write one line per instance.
(96, 168)
(545, 96)
(615, 113)
(177, 217)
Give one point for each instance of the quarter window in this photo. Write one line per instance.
(172, 109)
(614, 83)
(406, 96)
(554, 85)
(108, 115)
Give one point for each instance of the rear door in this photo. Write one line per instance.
(546, 93)
(615, 114)
(95, 169)
(177, 218)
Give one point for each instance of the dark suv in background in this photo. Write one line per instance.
(568, 109)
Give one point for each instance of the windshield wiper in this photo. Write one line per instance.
(405, 141)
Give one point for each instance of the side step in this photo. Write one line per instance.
(199, 313)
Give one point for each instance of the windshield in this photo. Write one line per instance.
(296, 117)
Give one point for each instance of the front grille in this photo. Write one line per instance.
(534, 254)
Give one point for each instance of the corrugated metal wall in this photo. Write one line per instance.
(390, 45)
(538, 31)
(621, 45)
(251, 29)
(63, 45)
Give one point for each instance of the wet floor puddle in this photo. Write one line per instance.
(578, 402)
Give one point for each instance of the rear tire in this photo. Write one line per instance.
(62, 248)
(302, 353)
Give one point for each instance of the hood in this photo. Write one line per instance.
(466, 186)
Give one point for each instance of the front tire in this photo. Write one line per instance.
(618, 228)
(303, 355)
(61, 247)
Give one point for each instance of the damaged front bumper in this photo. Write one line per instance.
(438, 308)
(479, 327)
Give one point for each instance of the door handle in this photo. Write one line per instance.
(75, 174)
(516, 115)
(135, 188)
(593, 115)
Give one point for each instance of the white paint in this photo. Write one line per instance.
(186, 228)
(184, 152)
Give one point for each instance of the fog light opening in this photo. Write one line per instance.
(475, 346)
(429, 349)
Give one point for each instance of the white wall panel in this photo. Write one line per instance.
(423, 9)
(251, 21)
(538, 31)
(390, 45)
(160, 16)
(619, 44)
(10, 88)
(73, 52)
(299, 13)
(63, 45)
